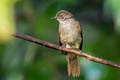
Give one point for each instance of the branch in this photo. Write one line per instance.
(80, 53)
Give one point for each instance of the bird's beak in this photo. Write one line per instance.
(53, 17)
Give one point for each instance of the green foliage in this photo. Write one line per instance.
(7, 27)
(114, 7)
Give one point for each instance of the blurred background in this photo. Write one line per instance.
(23, 60)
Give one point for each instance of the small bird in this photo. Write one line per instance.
(70, 36)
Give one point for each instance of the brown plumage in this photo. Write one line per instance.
(70, 36)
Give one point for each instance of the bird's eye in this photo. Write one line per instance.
(61, 16)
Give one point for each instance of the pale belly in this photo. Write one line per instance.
(71, 37)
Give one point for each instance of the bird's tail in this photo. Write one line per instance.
(73, 65)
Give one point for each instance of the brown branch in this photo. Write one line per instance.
(80, 53)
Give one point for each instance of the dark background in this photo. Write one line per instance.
(23, 60)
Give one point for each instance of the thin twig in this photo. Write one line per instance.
(80, 53)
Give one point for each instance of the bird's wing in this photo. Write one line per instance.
(80, 32)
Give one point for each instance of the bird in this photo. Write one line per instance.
(70, 36)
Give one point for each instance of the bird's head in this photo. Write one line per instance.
(63, 15)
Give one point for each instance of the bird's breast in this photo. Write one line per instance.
(69, 33)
